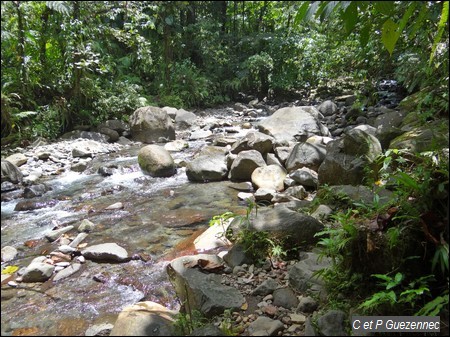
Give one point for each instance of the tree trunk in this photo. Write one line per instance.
(21, 46)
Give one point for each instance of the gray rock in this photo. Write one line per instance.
(281, 222)
(54, 234)
(10, 172)
(79, 167)
(264, 194)
(305, 176)
(172, 112)
(80, 237)
(332, 323)
(86, 226)
(8, 253)
(265, 326)
(35, 191)
(271, 159)
(254, 141)
(88, 148)
(301, 275)
(66, 272)
(368, 129)
(176, 146)
(156, 161)
(149, 124)
(306, 155)
(327, 108)
(185, 119)
(37, 272)
(269, 177)
(322, 212)
(200, 291)
(207, 168)
(293, 124)
(298, 192)
(113, 136)
(145, 319)
(244, 165)
(200, 134)
(17, 159)
(283, 153)
(285, 297)
(348, 157)
(105, 252)
(124, 141)
(309, 328)
(103, 329)
(423, 138)
(265, 288)
(388, 126)
(114, 124)
(237, 256)
(307, 305)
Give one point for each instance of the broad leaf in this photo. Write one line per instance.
(364, 35)
(301, 13)
(384, 7)
(351, 17)
(389, 35)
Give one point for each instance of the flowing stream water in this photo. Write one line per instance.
(159, 218)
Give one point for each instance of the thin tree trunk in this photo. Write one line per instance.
(21, 46)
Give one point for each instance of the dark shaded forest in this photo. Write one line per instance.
(68, 63)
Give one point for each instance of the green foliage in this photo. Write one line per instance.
(397, 293)
(186, 323)
(415, 213)
(187, 87)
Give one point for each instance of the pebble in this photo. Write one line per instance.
(13, 284)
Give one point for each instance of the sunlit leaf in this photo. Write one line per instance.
(10, 270)
(389, 35)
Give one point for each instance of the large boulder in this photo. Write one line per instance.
(202, 291)
(423, 138)
(17, 159)
(156, 161)
(388, 126)
(293, 227)
(303, 277)
(306, 155)
(328, 108)
(254, 141)
(145, 319)
(348, 158)
(10, 172)
(207, 168)
(270, 177)
(244, 165)
(185, 119)
(294, 124)
(151, 124)
(114, 124)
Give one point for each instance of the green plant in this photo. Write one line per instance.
(397, 296)
(185, 323)
(226, 324)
